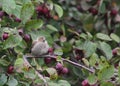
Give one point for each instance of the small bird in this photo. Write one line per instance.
(39, 46)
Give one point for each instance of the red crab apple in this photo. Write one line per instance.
(45, 10)
(113, 12)
(64, 70)
(10, 69)
(26, 37)
(85, 83)
(20, 31)
(17, 20)
(93, 11)
(59, 66)
(5, 36)
(47, 60)
(39, 9)
(114, 51)
(1, 14)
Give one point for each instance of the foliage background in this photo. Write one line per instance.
(74, 31)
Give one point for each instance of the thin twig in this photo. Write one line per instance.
(69, 61)
(37, 72)
(73, 63)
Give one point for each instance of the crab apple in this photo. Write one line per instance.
(45, 10)
(26, 37)
(47, 60)
(114, 51)
(93, 11)
(50, 50)
(5, 36)
(64, 70)
(85, 83)
(1, 14)
(39, 8)
(78, 57)
(59, 66)
(17, 20)
(10, 69)
(113, 12)
(20, 31)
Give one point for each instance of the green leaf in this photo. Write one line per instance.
(58, 51)
(8, 6)
(3, 79)
(77, 72)
(19, 62)
(4, 62)
(106, 84)
(52, 84)
(106, 49)
(12, 41)
(52, 72)
(21, 47)
(63, 83)
(67, 47)
(88, 47)
(26, 12)
(51, 27)
(33, 24)
(23, 1)
(103, 37)
(115, 37)
(119, 73)
(102, 8)
(92, 79)
(106, 73)
(88, 23)
(93, 59)
(59, 10)
(12, 82)
(17, 11)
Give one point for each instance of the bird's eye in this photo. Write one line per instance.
(43, 40)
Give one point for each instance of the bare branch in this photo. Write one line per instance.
(39, 75)
(69, 61)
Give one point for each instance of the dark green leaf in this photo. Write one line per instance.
(12, 41)
(102, 8)
(4, 62)
(26, 12)
(33, 24)
(106, 49)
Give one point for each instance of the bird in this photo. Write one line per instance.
(39, 46)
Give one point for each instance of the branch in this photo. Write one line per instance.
(66, 60)
(73, 63)
(37, 72)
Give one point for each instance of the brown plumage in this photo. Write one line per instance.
(39, 47)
